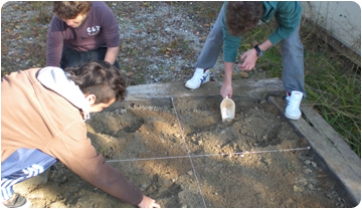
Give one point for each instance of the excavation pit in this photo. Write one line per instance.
(172, 143)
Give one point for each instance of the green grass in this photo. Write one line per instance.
(335, 89)
(44, 11)
(333, 84)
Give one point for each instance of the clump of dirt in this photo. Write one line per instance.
(181, 154)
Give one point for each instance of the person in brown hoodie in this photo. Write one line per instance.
(43, 121)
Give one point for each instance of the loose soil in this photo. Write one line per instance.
(160, 43)
(238, 163)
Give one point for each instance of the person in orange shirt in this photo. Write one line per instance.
(43, 121)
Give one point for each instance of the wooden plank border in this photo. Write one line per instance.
(334, 152)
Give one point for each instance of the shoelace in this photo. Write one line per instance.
(198, 76)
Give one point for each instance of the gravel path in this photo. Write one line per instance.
(160, 41)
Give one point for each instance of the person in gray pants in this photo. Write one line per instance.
(237, 18)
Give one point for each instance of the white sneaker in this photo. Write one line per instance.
(198, 78)
(292, 111)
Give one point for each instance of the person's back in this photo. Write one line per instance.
(27, 104)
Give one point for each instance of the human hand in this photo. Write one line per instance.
(148, 203)
(226, 90)
(249, 57)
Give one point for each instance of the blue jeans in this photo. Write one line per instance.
(20, 166)
(72, 57)
(292, 55)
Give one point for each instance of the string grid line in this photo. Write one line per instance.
(202, 155)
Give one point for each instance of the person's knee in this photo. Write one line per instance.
(292, 45)
(215, 34)
(71, 58)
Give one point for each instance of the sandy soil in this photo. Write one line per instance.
(160, 43)
(181, 154)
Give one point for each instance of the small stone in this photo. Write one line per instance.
(297, 188)
(216, 193)
(314, 164)
(307, 162)
(244, 74)
(314, 181)
(310, 186)
(307, 171)
(329, 195)
(339, 205)
(184, 206)
(190, 173)
(63, 179)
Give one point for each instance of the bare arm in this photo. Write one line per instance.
(226, 89)
(250, 57)
(111, 54)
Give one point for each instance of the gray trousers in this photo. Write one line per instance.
(292, 55)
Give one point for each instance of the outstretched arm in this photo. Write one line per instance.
(227, 89)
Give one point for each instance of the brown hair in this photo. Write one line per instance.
(99, 78)
(71, 9)
(243, 16)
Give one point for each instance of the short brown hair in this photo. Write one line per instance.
(71, 9)
(243, 16)
(100, 78)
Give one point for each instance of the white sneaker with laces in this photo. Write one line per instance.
(198, 78)
(292, 110)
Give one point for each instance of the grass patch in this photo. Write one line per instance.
(44, 11)
(333, 84)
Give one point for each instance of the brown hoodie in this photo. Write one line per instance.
(36, 117)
